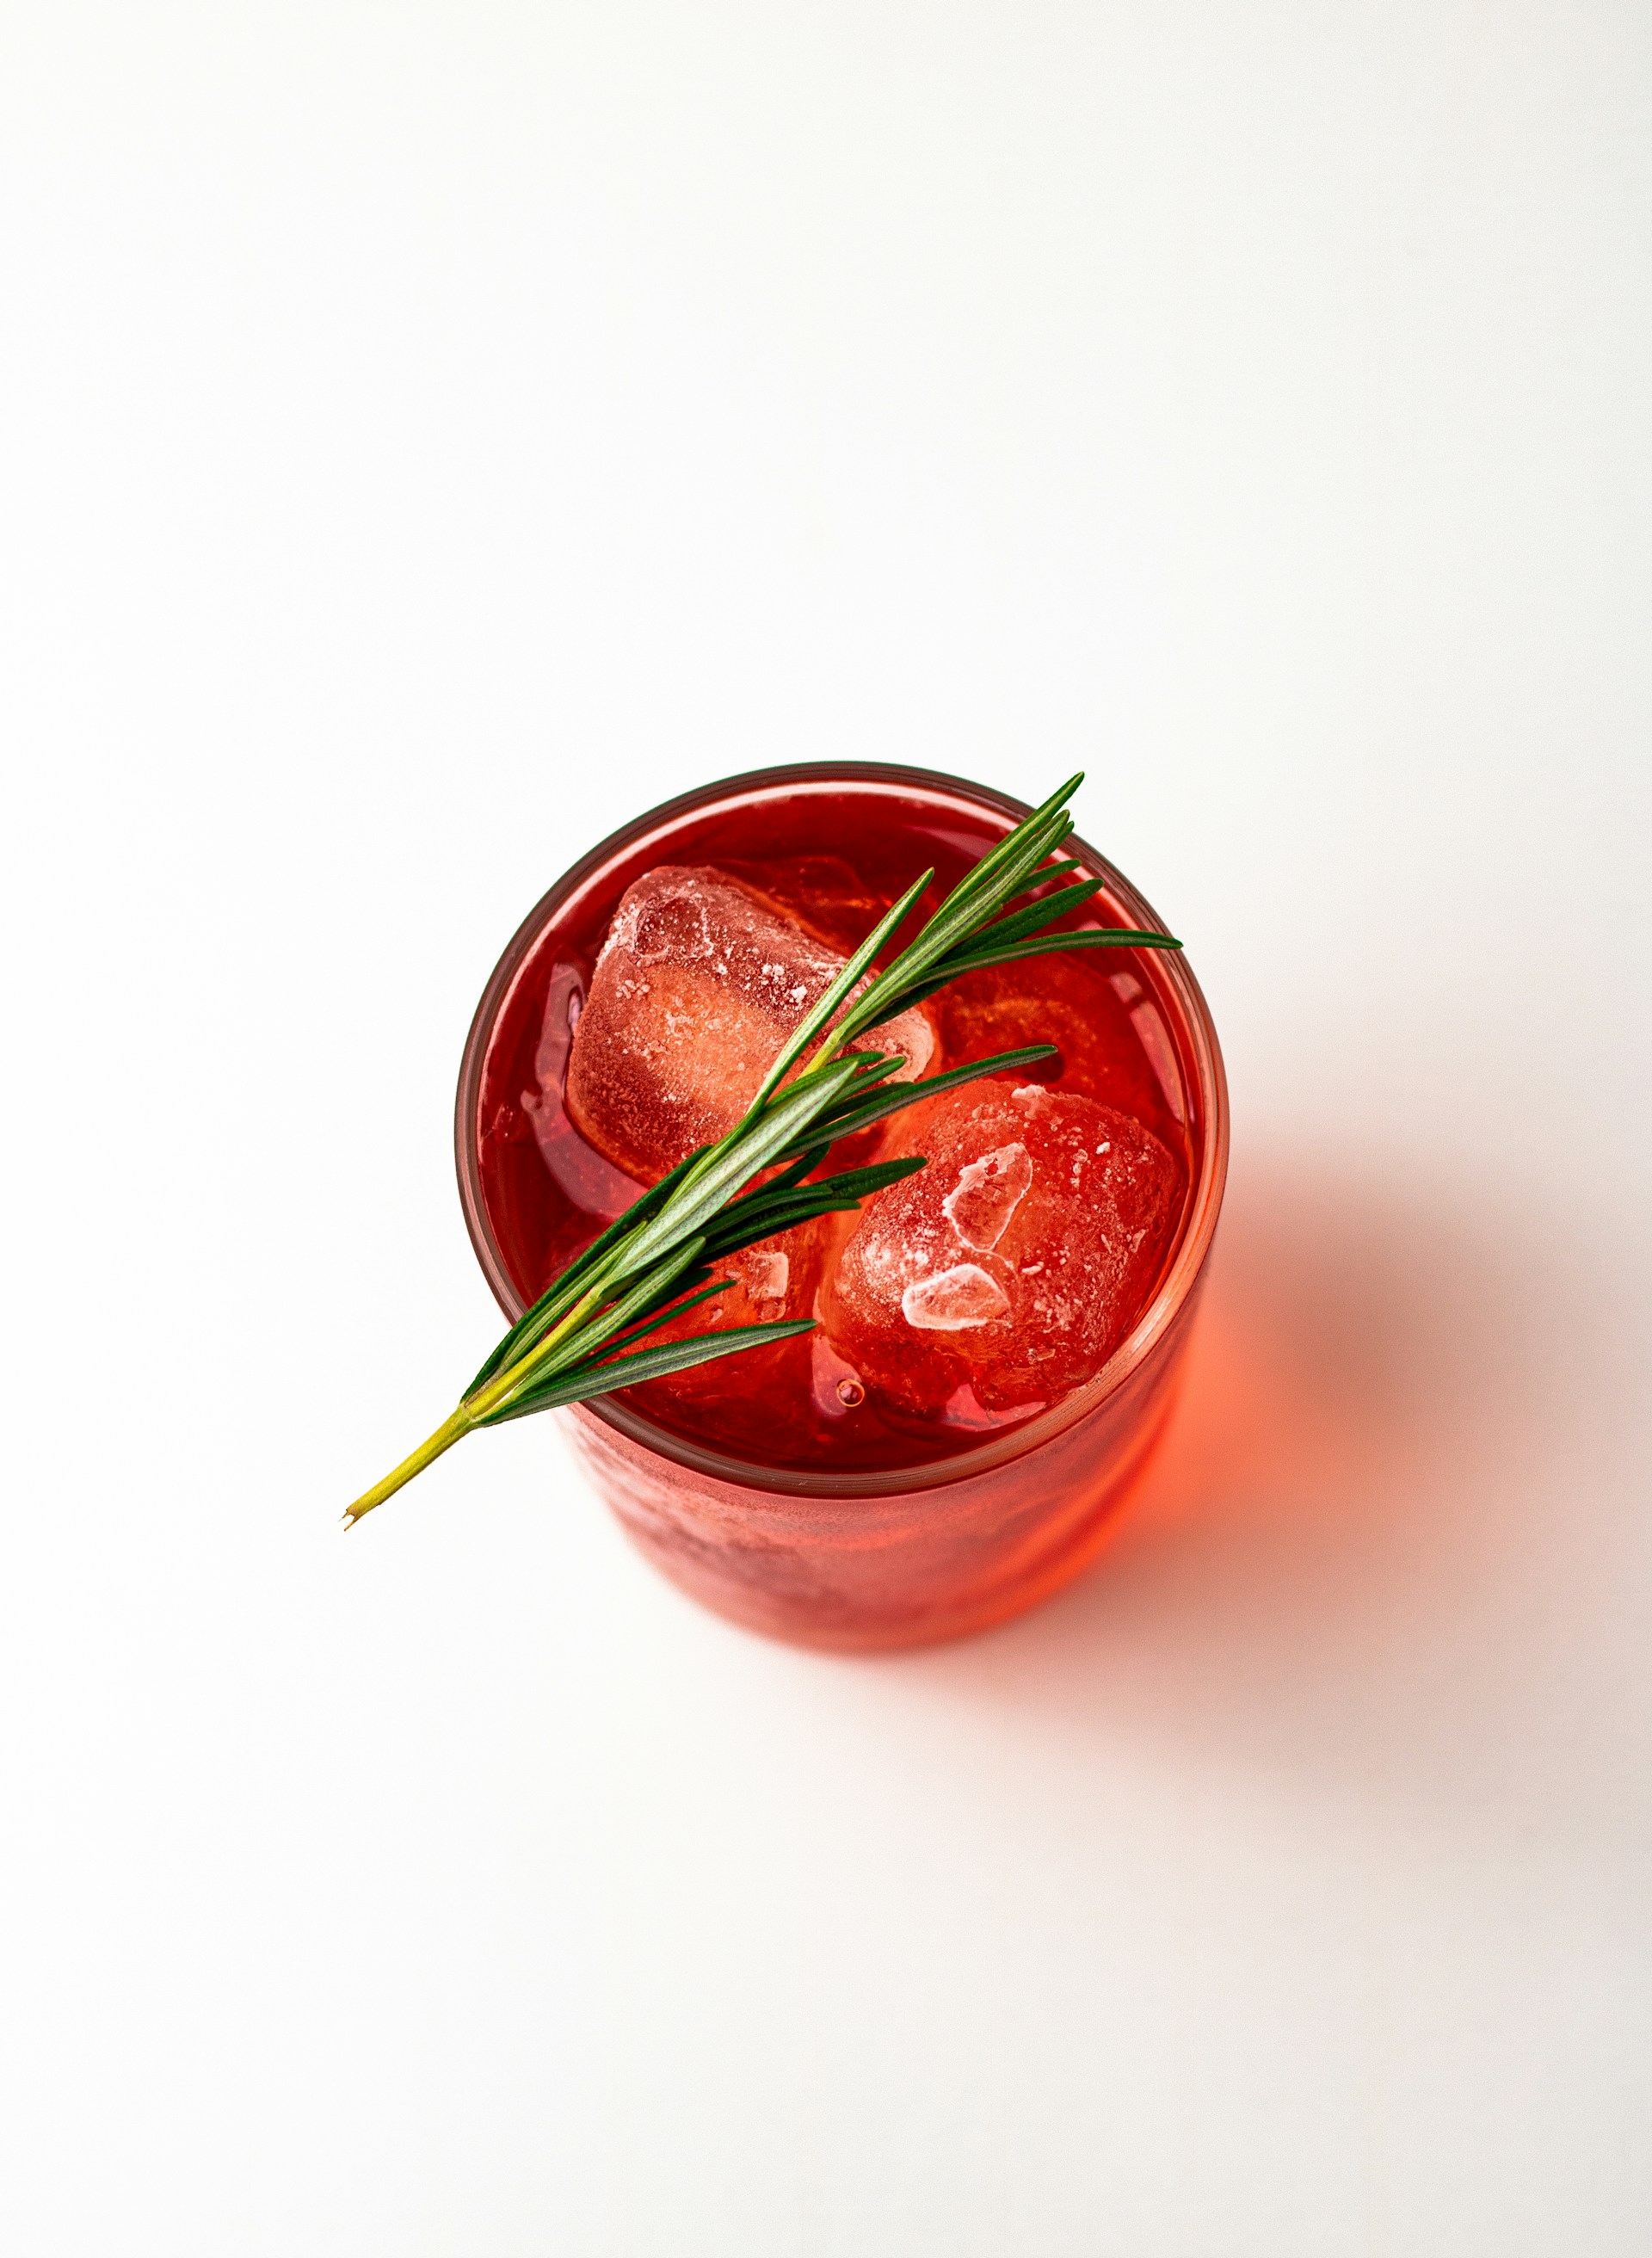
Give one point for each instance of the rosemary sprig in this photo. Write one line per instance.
(581, 1338)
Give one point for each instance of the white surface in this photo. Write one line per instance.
(431, 434)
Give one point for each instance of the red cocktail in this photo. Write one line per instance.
(997, 1335)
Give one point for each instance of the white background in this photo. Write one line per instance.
(430, 435)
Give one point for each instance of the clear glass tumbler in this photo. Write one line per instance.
(858, 1558)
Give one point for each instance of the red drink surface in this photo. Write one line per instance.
(836, 859)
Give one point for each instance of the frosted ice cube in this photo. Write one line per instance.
(699, 981)
(1014, 1263)
(777, 1278)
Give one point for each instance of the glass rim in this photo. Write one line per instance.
(1169, 968)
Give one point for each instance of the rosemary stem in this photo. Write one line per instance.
(450, 1432)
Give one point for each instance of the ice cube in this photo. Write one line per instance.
(1016, 1262)
(766, 1387)
(775, 1279)
(1001, 1009)
(699, 981)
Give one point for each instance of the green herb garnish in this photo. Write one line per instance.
(583, 1336)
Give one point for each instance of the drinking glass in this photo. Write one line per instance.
(854, 1558)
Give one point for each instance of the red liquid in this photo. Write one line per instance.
(838, 859)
